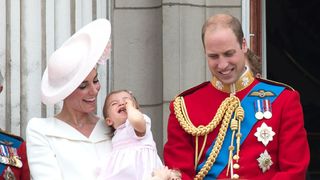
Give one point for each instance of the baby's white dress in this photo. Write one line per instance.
(132, 157)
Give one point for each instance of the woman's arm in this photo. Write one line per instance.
(41, 158)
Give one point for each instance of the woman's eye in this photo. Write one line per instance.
(82, 86)
(95, 81)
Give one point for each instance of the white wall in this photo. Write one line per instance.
(30, 31)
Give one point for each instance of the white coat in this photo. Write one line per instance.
(57, 151)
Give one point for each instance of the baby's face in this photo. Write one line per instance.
(117, 113)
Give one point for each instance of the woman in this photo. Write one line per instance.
(72, 144)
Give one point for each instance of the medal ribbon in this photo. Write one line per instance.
(249, 120)
(15, 144)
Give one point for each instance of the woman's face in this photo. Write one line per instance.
(84, 98)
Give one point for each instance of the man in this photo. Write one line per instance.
(235, 126)
(13, 158)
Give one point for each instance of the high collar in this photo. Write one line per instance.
(244, 81)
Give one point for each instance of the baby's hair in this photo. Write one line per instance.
(105, 106)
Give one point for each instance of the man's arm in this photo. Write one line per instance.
(179, 150)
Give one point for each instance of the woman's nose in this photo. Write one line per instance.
(94, 89)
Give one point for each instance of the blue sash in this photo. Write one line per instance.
(14, 143)
(249, 120)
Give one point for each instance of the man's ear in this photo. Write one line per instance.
(244, 46)
(109, 122)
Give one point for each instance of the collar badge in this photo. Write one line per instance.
(219, 85)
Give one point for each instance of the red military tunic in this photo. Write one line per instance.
(10, 146)
(288, 148)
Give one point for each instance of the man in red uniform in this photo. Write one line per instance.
(235, 126)
(13, 156)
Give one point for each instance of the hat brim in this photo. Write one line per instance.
(100, 31)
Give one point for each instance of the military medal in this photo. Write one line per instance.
(16, 161)
(14, 158)
(264, 134)
(267, 109)
(265, 161)
(4, 155)
(9, 155)
(258, 109)
(8, 174)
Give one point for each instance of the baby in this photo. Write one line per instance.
(134, 155)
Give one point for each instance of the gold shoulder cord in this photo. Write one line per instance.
(231, 105)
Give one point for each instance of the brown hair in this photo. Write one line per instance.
(1, 79)
(105, 106)
(225, 21)
(254, 62)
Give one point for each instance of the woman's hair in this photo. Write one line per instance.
(1, 79)
(254, 62)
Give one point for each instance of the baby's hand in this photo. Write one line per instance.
(129, 103)
(166, 174)
(134, 115)
(136, 118)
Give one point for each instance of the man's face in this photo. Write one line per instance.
(225, 56)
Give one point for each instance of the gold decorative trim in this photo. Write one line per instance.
(244, 81)
(224, 113)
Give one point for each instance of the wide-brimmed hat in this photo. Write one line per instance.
(69, 65)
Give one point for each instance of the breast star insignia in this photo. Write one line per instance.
(265, 161)
(264, 134)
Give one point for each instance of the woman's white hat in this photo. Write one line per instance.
(69, 65)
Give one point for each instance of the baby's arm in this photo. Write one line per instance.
(136, 119)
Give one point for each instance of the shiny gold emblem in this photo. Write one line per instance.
(262, 93)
